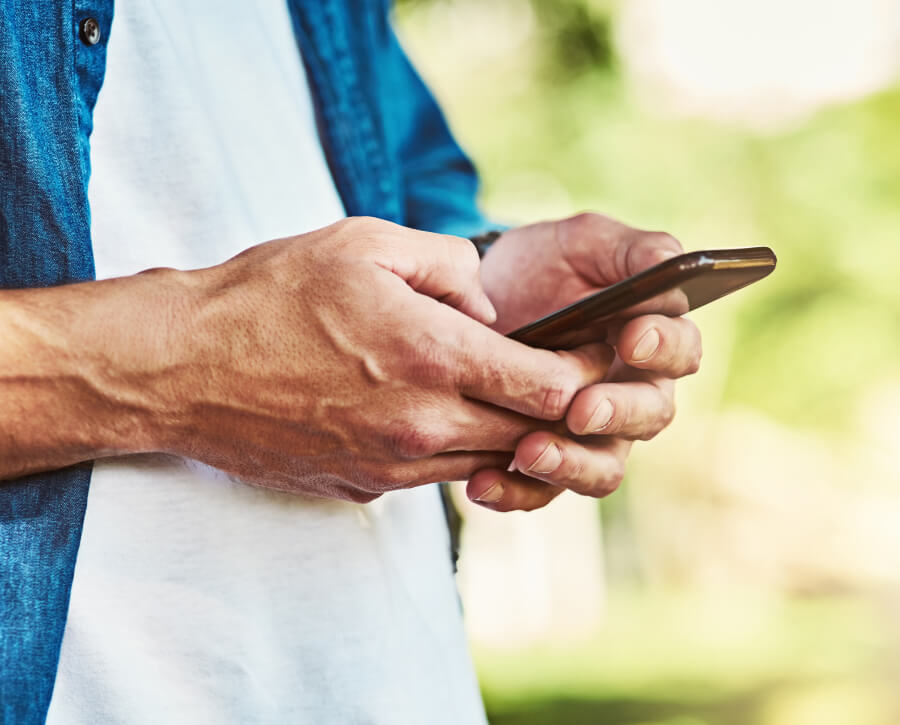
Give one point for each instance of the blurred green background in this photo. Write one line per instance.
(747, 572)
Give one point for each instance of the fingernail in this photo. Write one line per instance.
(492, 494)
(646, 346)
(603, 413)
(548, 461)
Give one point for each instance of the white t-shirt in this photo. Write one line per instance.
(198, 599)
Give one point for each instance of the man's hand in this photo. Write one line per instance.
(534, 270)
(341, 363)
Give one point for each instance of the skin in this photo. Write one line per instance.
(357, 359)
(534, 270)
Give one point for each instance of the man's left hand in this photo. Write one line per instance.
(532, 271)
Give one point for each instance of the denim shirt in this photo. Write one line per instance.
(389, 151)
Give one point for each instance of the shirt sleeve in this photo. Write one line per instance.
(439, 182)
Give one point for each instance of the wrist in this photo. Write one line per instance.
(56, 409)
(116, 348)
(95, 369)
(191, 355)
(159, 346)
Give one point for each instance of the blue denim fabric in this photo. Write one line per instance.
(388, 145)
(391, 156)
(48, 83)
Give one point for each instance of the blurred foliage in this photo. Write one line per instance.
(554, 129)
(575, 36)
(536, 94)
(684, 663)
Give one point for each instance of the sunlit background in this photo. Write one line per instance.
(748, 572)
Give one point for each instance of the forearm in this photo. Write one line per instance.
(344, 363)
(84, 371)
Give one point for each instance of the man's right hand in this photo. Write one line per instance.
(343, 363)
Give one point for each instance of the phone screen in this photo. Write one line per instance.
(671, 288)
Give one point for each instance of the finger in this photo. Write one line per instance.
(440, 266)
(470, 425)
(668, 346)
(635, 410)
(509, 491)
(443, 467)
(538, 383)
(643, 249)
(590, 466)
(607, 251)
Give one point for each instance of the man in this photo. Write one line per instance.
(256, 540)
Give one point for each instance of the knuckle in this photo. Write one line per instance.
(668, 414)
(410, 442)
(393, 478)
(365, 230)
(353, 232)
(663, 420)
(361, 222)
(574, 472)
(694, 363)
(555, 399)
(353, 225)
(611, 482)
(583, 221)
(664, 239)
(379, 478)
(615, 479)
(552, 403)
(464, 252)
(585, 225)
(651, 432)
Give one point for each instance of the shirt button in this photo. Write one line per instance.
(90, 31)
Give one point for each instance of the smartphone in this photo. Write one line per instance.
(672, 288)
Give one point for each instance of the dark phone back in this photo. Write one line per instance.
(671, 288)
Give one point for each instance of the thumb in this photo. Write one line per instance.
(605, 251)
(443, 267)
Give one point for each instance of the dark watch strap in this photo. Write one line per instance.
(484, 241)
